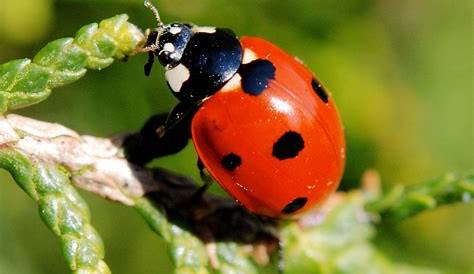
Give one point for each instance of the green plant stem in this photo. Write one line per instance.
(26, 82)
(405, 201)
(61, 209)
(187, 252)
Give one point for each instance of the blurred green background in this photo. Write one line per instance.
(401, 72)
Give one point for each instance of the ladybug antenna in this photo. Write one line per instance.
(155, 12)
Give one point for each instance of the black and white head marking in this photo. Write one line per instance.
(210, 60)
(172, 41)
(204, 29)
(198, 61)
(176, 77)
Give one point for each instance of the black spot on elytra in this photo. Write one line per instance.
(256, 76)
(288, 145)
(231, 161)
(320, 91)
(295, 205)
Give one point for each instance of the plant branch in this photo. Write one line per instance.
(405, 201)
(61, 209)
(25, 82)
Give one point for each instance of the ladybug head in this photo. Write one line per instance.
(171, 43)
(198, 60)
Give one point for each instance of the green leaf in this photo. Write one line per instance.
(26, 82)
(340, 244)
(402, 202)
(61, 209)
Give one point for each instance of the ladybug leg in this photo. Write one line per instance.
(182, 112)
(205, 176)
(150, 47)
(149, 64)
(152, 35)
(144, 146)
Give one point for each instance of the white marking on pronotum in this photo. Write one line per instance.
(169, 47)
(249, 56)
(204, 29)
(233, 83)
(175, 30)
(177, 76)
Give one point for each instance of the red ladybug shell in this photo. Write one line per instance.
(280, 152)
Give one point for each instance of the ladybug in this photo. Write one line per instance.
(263, 126)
